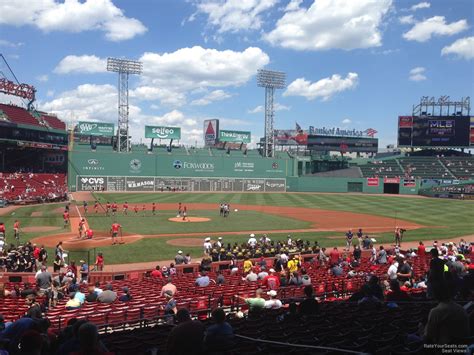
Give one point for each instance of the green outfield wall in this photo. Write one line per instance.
(140, 171)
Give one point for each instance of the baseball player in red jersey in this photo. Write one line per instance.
(107, 208)
(89, 234)
(96, 207)
(135, 209)
(185, 213)
(16, 230)
(114, 208)
(66, 218)
(153, 208)
(144, 210)
(125, 208)
(115, 230)
(179, 210)
(82, 227)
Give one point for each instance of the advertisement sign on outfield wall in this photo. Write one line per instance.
(95, 129)
(372, 181)
(234, 136)
(162, 132)
(211, 132)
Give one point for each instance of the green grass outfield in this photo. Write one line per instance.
(456, 216)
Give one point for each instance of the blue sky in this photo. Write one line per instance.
(352, 64)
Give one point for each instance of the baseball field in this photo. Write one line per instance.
(321, 217)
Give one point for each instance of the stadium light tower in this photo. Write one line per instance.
(123, 67)
(270, 80)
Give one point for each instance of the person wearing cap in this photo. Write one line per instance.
(126, 295)
(272, 281)
(273, 302)
(219, 242)
(179, 259)
(289, 241)
(293, 264)
(168, 287)
(207, 245)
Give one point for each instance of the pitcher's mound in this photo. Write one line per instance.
(189, 219)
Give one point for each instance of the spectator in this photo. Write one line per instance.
(108, 295)
(89, 343)
(272, 281)
(99, 262)
(34, 309)
(247, 265)
(295, 279)
(273, 302)
(187, 337)
(220, 279)
(255, 304)
(97, 288)
(310, 305)
(357, 253)
(220, 335)
(203, 280)
(405, 272)
(170, 307)
(392, 270)
(251, 276)
(157, 272)
(421, 251)
(305, 278)
(73, 302)
(366, 242)
(337, 270)
(168, 287)
(334, 256)
(382, 256)
(126, 295)
(91, 294)
(44, 280)
(396, 294)
(180, 259)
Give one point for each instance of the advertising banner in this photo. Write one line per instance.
(372, 181)
(140, 184)
(95, 128)
(290, 137)
(409, 182)
(391, 180)
(234, 136)
(211, 132)
(91, 183)
(162, 132)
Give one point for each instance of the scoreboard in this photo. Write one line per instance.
(342, 144)
(431, 131)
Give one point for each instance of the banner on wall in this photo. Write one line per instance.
(391, 180)
(409, 182)
(372, 181)
(234, 136)
(162, 132)
(95, 129)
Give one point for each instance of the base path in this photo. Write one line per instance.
(189, 219)
(321, 220)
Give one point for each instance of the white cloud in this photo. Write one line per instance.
(293, 5)
(233, 15)
(50, 93)
(417, 74)
(463, 48)
(216, 95)
(165, 96)
(346, 121)
(434, 26)
(5, 43)
(407, 20)
(71, 16)
(42, 78)
(331, 24)
(421, 5)
(277, 107)
(324, 88)
(81, 64)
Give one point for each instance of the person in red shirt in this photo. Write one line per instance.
(114, 208)
(157, 272)
(135, 209)
(82, 227)
(421, 250)
(99, 262)
(114, 230)
(2, 230)
(107, 208)
(125, 208)
(144, 210)
(66, 218)
(96, 207)
(334, 256)
(16, 230)
(89, 234)
(272, 281)
(185, 213)
(153, 208)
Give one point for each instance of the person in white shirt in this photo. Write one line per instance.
(273, 303)
(207, 245)
(252, 240)
(289, 241)
(219, 242)
(392, 270)
(284, 258)
(251, 276)
(262, 274)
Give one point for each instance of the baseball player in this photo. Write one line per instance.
(16, 230)
(89, 234)
(85, 205)
(96, 207)
(114, 208)
(66, 218)
(153, 209)
(125, 208)
(82, 227)
(115, 229)
(107, 208)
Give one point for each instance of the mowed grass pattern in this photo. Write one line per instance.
(443, 218)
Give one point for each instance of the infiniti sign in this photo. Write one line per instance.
(93, 162)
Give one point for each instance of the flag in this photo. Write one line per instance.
(370, 132)
(298, 127)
